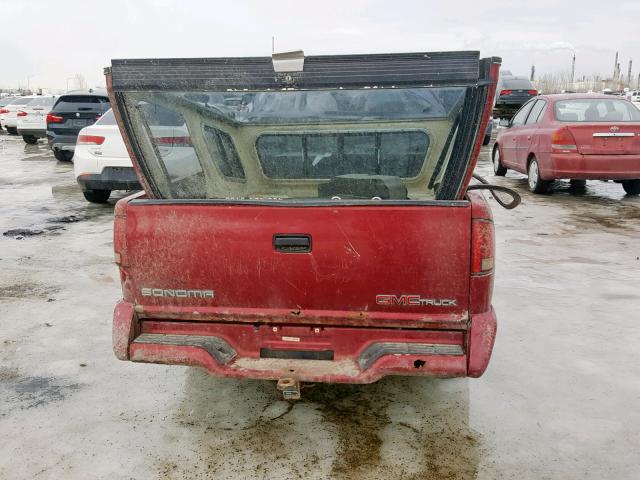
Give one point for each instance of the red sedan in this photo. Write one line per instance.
(572, 136)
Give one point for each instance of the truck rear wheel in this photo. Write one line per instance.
(97, 196)
(632, 187)
(30, 139)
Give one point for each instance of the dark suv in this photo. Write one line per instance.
(511, 93)
(70, 114)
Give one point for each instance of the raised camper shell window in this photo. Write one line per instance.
(296, 145)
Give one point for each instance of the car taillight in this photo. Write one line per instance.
(51, 118)
(21, 113)
(181, 141)
(90, 140)
(505, 92)
(482, 246)
(562, 141)
(532, 92)
(3, 110)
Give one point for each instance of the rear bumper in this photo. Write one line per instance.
(111, 178)
(35, 132)
(62, 142)
(307, 353)
(591, 167)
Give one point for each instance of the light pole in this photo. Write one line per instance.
(70, 78)
(29, 82)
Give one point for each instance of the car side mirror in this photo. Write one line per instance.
(504, 122)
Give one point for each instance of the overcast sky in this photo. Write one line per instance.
(52, 41)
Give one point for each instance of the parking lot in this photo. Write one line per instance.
(559, 400)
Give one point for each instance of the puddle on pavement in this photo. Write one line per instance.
(24, 392)
(409, 427)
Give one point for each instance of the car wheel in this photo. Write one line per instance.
(97, 196)
(12, 130)
(63, 155)
(578, 185)
(632, 187)
(498, 169)
(30, 139)
(536, 184)
(486, 140)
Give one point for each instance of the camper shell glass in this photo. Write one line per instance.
(295, 143)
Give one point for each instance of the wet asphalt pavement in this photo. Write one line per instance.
(560, 400)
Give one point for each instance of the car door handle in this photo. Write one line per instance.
(292, 243)
(528, 137)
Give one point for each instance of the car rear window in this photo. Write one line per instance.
(596, 110)
(22, 101)
(6, 101)
(73, 103)
(107, 119)
(41, 102)
(516, 84)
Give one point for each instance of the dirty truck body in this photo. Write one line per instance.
(315, 224)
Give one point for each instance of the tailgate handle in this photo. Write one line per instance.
(292, 243)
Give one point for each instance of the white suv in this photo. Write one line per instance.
(32, 118)
(101, 162)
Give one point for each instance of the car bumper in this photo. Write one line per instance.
(62, 142)
(591, 167)
(306, 353)
(111, 178)
(34, 132)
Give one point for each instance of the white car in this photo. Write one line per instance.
(4, 101)
(10, 119)
(32, 118)
(101, 162)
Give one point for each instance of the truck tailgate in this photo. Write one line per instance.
(393, 265)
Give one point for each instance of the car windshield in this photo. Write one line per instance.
(73, 103)
(596, 110)
(362, 143)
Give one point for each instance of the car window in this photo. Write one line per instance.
(73, 103)
(7, 100)
(536, 112)
(22, 101)
(517, 84)
(107, 119)
(596, 110)
(41, 102)
(521, 116)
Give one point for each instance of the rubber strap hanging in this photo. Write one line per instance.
(484, 185)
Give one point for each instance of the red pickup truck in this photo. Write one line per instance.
(306, 218)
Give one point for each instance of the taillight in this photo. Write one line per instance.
(562, 141)
(482, 246)
(532, 92)
(180, 141)
(51, 118)
(506, 92)
(3, 110)
(21, 113)
(90, 140)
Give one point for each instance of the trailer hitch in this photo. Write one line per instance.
(290, 388)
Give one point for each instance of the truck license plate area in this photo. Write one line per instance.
(296, 354)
